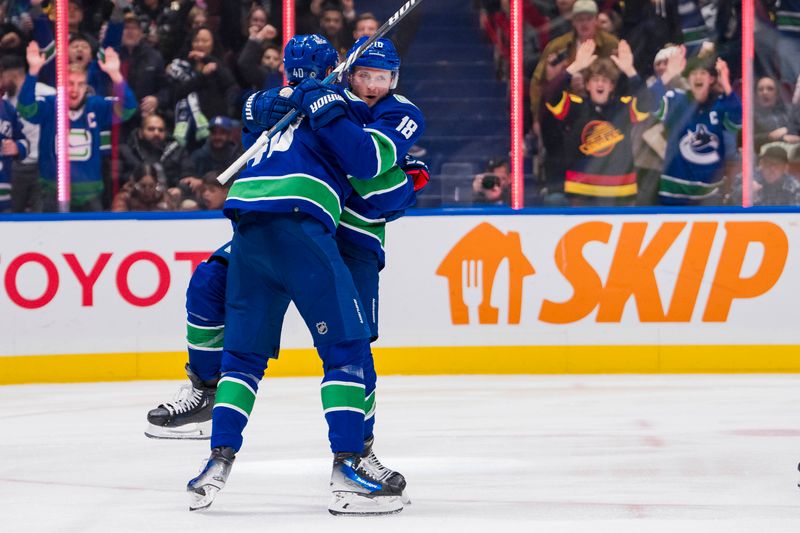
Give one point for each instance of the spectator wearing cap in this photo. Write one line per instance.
(773, 184)
(561, 51)
(696, 123)
(217, 154)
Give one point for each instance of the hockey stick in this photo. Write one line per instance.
(290, 117)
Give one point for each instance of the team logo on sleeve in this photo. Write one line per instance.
(599, 138)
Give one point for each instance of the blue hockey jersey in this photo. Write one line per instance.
(88, 134)
(695, 143)
(386, 196)
(10, 129)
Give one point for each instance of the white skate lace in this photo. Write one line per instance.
(374, 467)
(185, 399)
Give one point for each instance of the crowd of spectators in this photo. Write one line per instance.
(155, 92)
(156, 89)
(683, 145)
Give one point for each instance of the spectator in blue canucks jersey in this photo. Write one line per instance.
(13, 145)
(696, 122)
(90, 116)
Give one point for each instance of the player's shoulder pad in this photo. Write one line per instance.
(575, 98)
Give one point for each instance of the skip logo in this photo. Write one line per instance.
(663, 271)
(327, 99)
(471, 268)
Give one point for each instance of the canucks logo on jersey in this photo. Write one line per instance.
(700, 146)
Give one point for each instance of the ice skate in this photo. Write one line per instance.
(356, 489)
(211, 480)
(187, 416)
(386, 475)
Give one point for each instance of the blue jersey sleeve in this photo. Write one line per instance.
(731, 112)
(365, 152)
(112, 106)
(665, 101)
(34, 110)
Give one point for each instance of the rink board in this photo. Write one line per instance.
(93, 299)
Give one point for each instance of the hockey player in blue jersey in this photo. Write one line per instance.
(13, 145)
(386, 190)
(90, 119)
(696, 122)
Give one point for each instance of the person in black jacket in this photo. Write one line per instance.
(149, 144)
(203, 87)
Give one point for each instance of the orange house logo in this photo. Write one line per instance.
(471, 268)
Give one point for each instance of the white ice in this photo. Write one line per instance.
(678, 454)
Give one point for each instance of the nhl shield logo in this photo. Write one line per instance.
(322, 328)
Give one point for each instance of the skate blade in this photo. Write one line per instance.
(193, 431)
(201, 498)
(353, 504)
(405, 498)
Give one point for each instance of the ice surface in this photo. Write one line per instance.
(678, 454)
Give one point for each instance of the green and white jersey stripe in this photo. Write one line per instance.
(291, 186)
(369, 406)
(342, 396)
(389, 181)
(235, 394)
(105, 140)
(372, 228)
(686, 189)
(205, 338)
(730, 125)
(385, 150)
(788, 21)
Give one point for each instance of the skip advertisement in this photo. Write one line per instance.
(460, 294)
